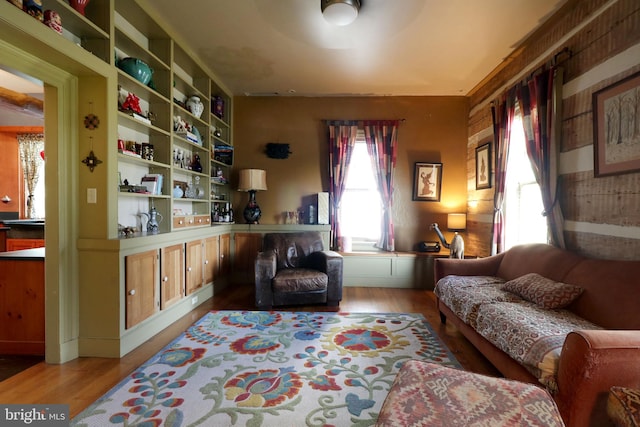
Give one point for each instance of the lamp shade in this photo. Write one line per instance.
(252, 180)
(340, 12)
(457, 221)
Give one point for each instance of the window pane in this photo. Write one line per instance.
(361, 209)
(523, 207)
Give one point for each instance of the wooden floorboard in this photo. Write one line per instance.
(80, 382)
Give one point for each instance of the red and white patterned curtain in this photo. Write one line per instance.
(539, 102)
(342, 139)
(382, 142)
(503, 112)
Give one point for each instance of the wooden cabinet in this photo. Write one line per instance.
(194, 277)
(20, 244)
(141, 286)
(247, 246)
(224, 269)
(22, 302)
(211, 258)
(172, 269)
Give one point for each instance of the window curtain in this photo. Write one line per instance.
(30, 145)
(342, 139)
(503, 113)
(382, 143)
(539, 102)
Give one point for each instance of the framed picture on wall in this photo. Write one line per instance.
(616, 135)
(427, 182)
(483, 166)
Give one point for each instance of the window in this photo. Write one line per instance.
(523, 200)
(361, 206)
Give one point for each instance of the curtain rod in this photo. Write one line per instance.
(365, 120)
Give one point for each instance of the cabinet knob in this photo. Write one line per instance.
(132, 292)
(206, 261)
(222, 256)
(188, 268)
(180, 222)
(166, 279)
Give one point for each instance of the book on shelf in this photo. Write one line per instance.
(141, 118)
(191, 137)
(153, 182)
(223, 154)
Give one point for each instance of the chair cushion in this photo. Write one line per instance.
(300, 280)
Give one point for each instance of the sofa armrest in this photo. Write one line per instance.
(467, 267)
(265, 271)
(591, 362)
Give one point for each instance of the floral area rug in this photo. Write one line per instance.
(257, 369)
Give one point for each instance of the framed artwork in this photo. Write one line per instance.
(427, 182)
(616, 127)
(483, 166)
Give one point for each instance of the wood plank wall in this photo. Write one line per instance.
(602, 215)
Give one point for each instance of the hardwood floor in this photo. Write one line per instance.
(80, 382)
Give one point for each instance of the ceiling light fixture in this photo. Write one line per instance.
(340, 12)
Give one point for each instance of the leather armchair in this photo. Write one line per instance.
(294, 269)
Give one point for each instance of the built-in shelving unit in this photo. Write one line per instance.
(91, 31)
(184, 141)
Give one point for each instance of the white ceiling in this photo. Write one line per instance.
(395, 47)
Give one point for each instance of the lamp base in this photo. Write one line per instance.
(456, 247)
(252, 212)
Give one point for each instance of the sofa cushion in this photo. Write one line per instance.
(531, 335)
(544, 292)
(464, 294)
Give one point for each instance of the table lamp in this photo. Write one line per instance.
(252, 180)
(455, 222)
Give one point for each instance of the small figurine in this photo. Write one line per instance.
(132, 103)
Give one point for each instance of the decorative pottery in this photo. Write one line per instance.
(196, 165)
(154, 218)
(52, 20)
(16, 3)
(195, 106)
(33, 8)
(136, 68)
(178, 192)
(218, 106)
(79, 6)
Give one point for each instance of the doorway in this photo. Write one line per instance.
(22, 143)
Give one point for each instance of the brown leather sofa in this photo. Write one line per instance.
(294, 269)
(592, 361)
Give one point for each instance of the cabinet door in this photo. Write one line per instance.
(225, 254)
(247, 246)
(172, 273)
(194, 276)
(211, 257)
(141, 272)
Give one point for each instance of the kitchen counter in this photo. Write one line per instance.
(25, 228)
(24, 254)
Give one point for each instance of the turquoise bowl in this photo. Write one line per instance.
(137, 69)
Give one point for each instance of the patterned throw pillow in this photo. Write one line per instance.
(542, 291)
